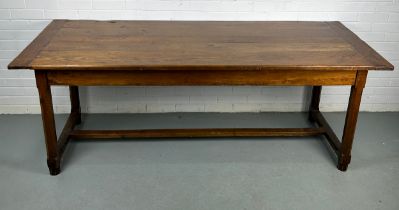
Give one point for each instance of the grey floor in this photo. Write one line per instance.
(270, 173)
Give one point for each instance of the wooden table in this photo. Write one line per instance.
(88, 53)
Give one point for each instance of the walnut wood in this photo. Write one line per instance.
(205, 77)
(351, 120)
(208, 132)
(198, 45)
(53, 160)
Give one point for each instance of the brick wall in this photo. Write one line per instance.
(375, 21)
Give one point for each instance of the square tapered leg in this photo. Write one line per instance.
(348, 135)
(50, 135)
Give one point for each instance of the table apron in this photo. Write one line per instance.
(203, 77)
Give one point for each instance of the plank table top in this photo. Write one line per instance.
(198, 45)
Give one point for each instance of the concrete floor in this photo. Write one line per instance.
(271, 173)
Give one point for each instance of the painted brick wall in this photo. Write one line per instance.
(375, 21)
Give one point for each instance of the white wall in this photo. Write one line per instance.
(375, 21)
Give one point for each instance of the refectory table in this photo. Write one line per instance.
(92, 53)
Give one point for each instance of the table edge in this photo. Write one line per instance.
(361, 46)
(208, 68)
(25, 58)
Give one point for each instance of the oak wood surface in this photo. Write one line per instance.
(198, 45)
(25, 58)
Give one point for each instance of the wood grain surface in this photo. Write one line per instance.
(204, 77)
(198, 45)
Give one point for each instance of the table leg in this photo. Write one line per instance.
(314, 102)
(344, 157)
(53, 158)
(75, 102)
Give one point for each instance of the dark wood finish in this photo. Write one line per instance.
(79, 53)
(292, 77)
(50, 135)
(64, 138)
(351, 120)
(198, 45)
(314, 101)
(329, 133)
(75, 102)
(195, 133)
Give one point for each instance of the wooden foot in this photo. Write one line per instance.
(343, 162)
(54, 166)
